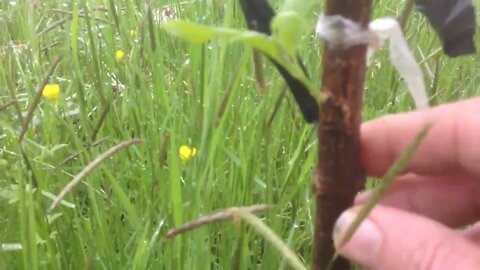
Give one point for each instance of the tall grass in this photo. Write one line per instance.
(167, 93)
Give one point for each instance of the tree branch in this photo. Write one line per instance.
(339, 174)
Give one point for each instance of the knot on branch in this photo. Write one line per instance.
(325, 185)
(321, 184)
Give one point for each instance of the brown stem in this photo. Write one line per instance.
(339, 174)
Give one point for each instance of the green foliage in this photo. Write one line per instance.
(199, 33)
(282, 46)
(287, 28)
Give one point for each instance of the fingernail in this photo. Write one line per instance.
(364, 246)
(362, 197)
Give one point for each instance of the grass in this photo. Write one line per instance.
(167, 93)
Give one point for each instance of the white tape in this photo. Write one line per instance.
(342, 33)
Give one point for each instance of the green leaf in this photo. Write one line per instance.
(197, 33)
(287, 28)
(281, 47)
(259, 41)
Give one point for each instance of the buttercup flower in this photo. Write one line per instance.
(51, 92)
(119, 55)
(186, 152)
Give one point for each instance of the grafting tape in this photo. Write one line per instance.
(342, 33)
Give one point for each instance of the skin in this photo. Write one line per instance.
(416, 225)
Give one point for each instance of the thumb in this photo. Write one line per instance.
(394, 239)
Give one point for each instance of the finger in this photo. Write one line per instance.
(451, 200)
(452, 144)
(473, 233)
(394, 239)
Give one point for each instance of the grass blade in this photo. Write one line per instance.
(220, 216)
(37, 97)
(273, 238)
(92, 165)
(395, 170)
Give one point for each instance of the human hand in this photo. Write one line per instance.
(412, 228)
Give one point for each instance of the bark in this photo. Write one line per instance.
(339, 174)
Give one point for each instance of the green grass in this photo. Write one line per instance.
(168, 93)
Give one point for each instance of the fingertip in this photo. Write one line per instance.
(366, 237)
(394, 239)
(362, 197)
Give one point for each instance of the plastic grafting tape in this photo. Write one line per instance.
(342, 33)
(401, 57)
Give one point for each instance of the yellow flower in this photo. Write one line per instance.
(186, 152)
(51, 92)
(119, 55)
(133, 33)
